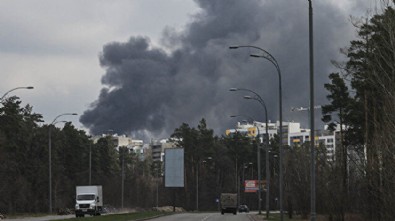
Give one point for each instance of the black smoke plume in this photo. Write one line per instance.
(151, 91)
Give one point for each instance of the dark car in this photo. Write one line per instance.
(243, 208)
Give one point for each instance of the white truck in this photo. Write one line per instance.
(88, 200)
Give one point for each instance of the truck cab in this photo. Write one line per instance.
(88, 200)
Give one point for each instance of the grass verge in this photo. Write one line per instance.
(276, 217)
(121, 217)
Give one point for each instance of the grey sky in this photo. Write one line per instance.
(56, 47)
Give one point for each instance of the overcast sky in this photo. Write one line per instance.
(143, 67)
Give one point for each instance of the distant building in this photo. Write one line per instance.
(293, 134)
(254, 129)
(133, 145)
(158, 149)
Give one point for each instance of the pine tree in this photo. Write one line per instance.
(369, 116)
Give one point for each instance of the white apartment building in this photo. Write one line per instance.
(158, 148)
(293, 134)
(254, 129)
(329, 142)
(133, 145)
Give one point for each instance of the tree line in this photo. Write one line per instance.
(362, 99)
(24, 168)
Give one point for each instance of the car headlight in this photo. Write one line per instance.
(77, 206)
(92, 206)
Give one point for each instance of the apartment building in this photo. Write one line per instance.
(293, 135)
(158, 148)
(254, 129)
(133, 145)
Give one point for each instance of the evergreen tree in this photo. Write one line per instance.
(339, 103)
(18, 126)
(369, 116)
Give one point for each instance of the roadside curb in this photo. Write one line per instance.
(254, 217)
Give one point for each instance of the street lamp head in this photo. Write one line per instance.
(233, 47)
(255, 56)
(233, 89)
(247, 97)
(61, 121)
(62, 115)
(2, 97)
(242, 115)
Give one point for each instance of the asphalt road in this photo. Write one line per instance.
(43, 218)
(176, 217)
(206, 217)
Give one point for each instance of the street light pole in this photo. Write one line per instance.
(259, 166)
(197, 182)
(197, 187)
(90, 164)
(50, 155)
(157, 187)
(262, 102)
(123, 176)
(312, 136)
(266, 55)
(245, 166)
(237, 172)
(2, 97)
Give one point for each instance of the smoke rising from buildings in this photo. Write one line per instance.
(151, 91)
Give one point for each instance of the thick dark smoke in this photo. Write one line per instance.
(149, 91)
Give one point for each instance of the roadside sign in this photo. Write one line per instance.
(251, 186)
(174, 167)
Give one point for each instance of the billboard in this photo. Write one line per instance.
(251, 186)
(174, 167)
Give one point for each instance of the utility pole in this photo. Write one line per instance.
(123, 177)
(312, 136)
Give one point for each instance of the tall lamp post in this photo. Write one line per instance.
(122, 176)
(2, 97)
(50, 155)
(266, 55)
(243, 179)
(197, 181)
(262, 102)
(259, 166)
(157, 184)
(90, 164)
(312, 136)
